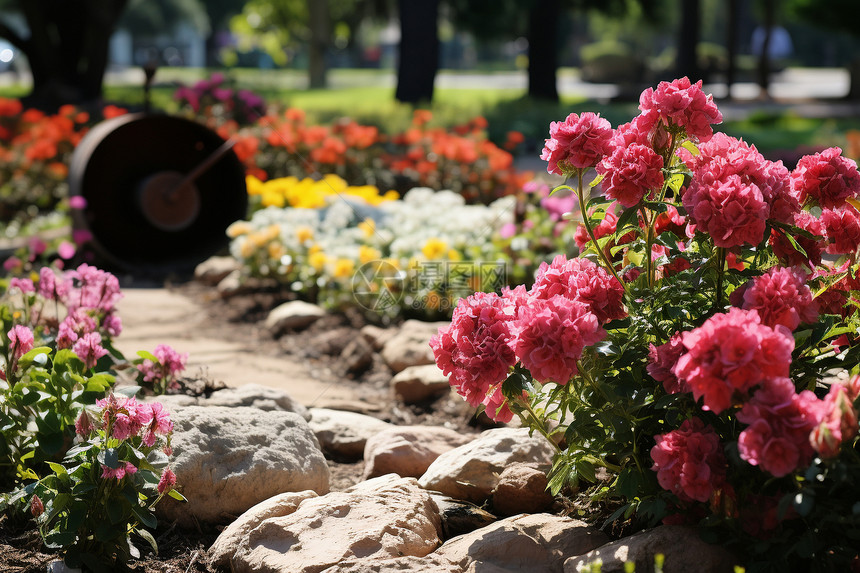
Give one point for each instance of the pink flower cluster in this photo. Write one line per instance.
(631, 173)
(838, 419)
(682, 104)
(119, 472)
(21, 340)
(826, 178)
(127, 418)
(689, 461)
(545, 329)
(780, 296)
(170, 363)
(730, 354)
(578, 142)
(661, 363)
(735, 190)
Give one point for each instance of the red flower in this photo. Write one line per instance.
(689, 461)
(577, 142)
(827, 178)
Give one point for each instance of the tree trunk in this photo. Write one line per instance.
(319, 25)
(764, 57)
(419, 50)
(543, 49)
(68, 49)
(732, 24)
(688, 39)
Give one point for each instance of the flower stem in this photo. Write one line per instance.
(535, 422)
(721, 264)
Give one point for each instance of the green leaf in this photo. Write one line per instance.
(38, 355)
(57, 468)
(803, 502)
(691, 147)
(150, 356)
(60, 539)
(145, 516)
(626, 216)
(147, 536)
(127, 391)
(177, 496)
(115, 510)
(596, 181)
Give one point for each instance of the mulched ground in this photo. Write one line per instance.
(21, 549)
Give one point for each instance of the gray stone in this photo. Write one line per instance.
(224, 548)
(357, 356)
(227, 460)
(411, 345)
(376, 336)
(419, 383)
(522, 488)
(681, 546)
(255, 396)
(396, 519)
(471, 471)
(293, 315)
(409, 450)
(528, 543)
(214, 269)
(344, 433)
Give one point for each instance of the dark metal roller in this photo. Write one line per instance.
(160, 191)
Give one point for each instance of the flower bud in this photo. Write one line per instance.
(83, 425)
(167, 481)
(37, 508)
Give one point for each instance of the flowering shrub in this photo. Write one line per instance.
(394, 257)
(309, 193)
(214, 97)
(691, 349)
(35, 150)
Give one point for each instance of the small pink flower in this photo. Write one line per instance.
(66, 250)
(167, 481)
(842, 228)
(77, 202)
(550, 335)
(508, 230)
(684, 105)
(689, 461)
(83, 425)
(22, 284)
(827, 178)
(89, 349)
(732, 212)
(12, 263)
(81, 236)
(496, 407)
(161, 422)
(662, 360)
(37, 508)
(780, 296)
(21, 340)
(631, 174)
(583, 281)
(838, 423)
(577, 142)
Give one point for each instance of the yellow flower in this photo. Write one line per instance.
(247, 249)
(454, 255)
(343, 268)
(317, 260)
(276, 251)
(304, 234)
(272, 199)
(239, 228)
(254, 185)
(368, 226)
(434, 248)
(367, 254)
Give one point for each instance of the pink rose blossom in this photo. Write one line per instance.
(583, 281)
(780, 421)
(827, 178)
(689, 461)
(842, 229)
(496, 407)
(89, 349)
(732, 353)
(682, 104)
(662, 360)
(780, 296)
(730, 211)
(21, 340)
(838, 421)
(631, 173)
(550, 335)
(473, 350)
(167, 481)
(578, 142)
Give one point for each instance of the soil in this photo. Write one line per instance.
(21, 548)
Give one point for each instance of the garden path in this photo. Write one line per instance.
(153, 316)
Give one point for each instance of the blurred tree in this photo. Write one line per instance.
(154, 17)
(66, 44)
(687, 62)
(219, 12)
(419, 50)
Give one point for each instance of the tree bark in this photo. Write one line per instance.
(543, 49)
(68, 49)
(764, 57)
(419, 50)
(688, 39)
(732, 24)
(319, 25)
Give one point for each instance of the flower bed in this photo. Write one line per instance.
(690, 350)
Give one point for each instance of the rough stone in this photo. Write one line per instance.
(419, 383)
(408, 450)
(357, 356)
(539, 542)
(376, 336)
(214, 269)
(411, 345)
(227, 460)
(430, 564)
(343, 433)
(222, 551)
(471, 471)
(459, 517)
(396, 519)
(681, 547)
(522, 488)
(255, 396)
(293, 315)
(231, 285)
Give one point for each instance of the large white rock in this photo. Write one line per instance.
(293, 315)
(224, 548)
(344, 433)
(418, 383)
(471, 471)
(411, 345)
(430, 564)
(409, 450)
(255, 396)
(396, 519)
(533, 543)
(227, 460)
(682, 548)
